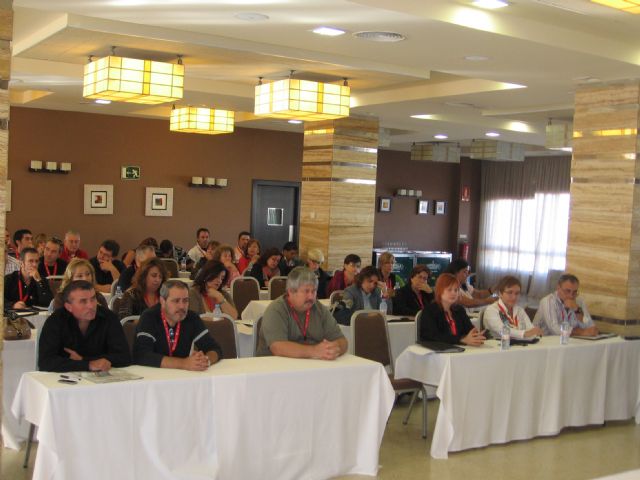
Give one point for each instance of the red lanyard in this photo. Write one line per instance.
(512, 321)
(389, 284)
(452, 324)
(210, 303)
(419, 297)
(171, 341)
(55, 269)
(147, 300)
(26, 295)
(297, 320)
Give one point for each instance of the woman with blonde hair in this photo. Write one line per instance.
(78, 269)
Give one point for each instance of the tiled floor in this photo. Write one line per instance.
(575, 454)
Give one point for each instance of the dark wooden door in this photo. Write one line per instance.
(275, 212)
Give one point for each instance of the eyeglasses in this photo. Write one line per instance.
(569, 291)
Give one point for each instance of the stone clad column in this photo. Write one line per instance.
(604, 226)
(338, 188)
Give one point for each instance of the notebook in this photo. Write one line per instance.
(596, 337)
(440, 347)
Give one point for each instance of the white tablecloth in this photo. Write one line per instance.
(488, 396)
(18, 357)
(251, 418)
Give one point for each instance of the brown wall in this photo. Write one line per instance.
(98, 145)
(438, 181)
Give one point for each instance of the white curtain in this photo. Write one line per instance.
(524, 218)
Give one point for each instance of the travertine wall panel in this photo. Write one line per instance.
(338, 188)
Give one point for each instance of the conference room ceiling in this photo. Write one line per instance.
(472, 70)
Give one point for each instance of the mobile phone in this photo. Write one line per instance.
(68, 382)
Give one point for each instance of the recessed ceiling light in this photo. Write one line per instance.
(476, 58)
(294, 122)
(103, 102)
(328, 31)
(492, 134)
(491, 4)
(422, 116)
(251, 16)
(441, 136)
(380, 36)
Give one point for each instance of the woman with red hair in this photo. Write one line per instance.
(446, 321)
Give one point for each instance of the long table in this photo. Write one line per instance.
(491, 396)
(258, 418)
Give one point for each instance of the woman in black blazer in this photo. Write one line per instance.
(415, 295)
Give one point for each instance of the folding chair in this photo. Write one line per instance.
(225, 332)
(243, 290)
(277, 287)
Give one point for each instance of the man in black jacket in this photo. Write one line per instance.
(82, 335)
(25, 287)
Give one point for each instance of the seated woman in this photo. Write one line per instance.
(250, 257)
(386, 261)
(365, 294)
(224, 255)
(415, 295)
(506, 311)
(266, 267)
(345, 277)
(206, 292)
(469, 297)
(78, 269)
(208, 255)
(145, 288)
(446, 321)
(315, 258)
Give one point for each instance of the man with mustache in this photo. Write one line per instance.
(296, 325)
(166, 331)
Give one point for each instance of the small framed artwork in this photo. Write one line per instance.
(441, 207)
(158, 202)
(465, 194)
(423, 207)
(98, 199)
(385, 204)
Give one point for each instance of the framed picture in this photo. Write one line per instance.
(98, 199)
(441, 207)
(159, 202)
(423, 207)
(385, 204)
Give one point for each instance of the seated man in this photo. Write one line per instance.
(289, 258)
(199, 250)
(366, 293)
(22, 238)
(71, 248)
(296, 325)
(50, 263)
(564, 304)
(143, 252)
(107, 267)
(241, 247)
(82, 335)
(26, 288)
(166, 331)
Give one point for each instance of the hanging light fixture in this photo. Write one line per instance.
(201, 120)
(302, 99)
(132, 80)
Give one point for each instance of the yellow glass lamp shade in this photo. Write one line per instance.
(302, 100)
(122, 79)
(201, 120)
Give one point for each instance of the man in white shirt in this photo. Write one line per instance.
(565, 305)
(239, 251)
(200, 248)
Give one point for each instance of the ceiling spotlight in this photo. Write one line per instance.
(328, 31)
(103, 102)
(441, 136)
(251, 16)
(490, 4)
(423, 116)
(294, 122)
(492, 134)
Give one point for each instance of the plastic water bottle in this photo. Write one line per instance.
(505, 337)
(217, 312)
(183, 264)
(383, 306)
(565, 333)
(118, 292)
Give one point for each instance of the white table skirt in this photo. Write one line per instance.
(18, 357)
(253, 418)
(488, 396)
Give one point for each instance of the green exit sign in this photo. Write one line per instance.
(131, 173)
